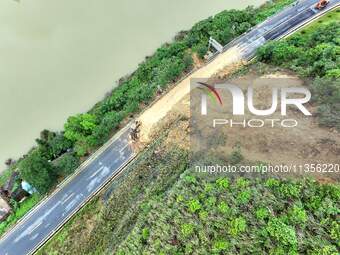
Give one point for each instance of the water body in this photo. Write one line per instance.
(58, 58)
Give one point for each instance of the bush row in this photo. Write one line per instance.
(236, 215)
(314, 55)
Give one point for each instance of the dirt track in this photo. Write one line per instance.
(229, 59)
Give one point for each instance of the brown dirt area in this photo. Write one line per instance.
(306, 143)
(163, 106)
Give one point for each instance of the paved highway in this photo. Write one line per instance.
(50, 215)
(39, 225)
(278, 25)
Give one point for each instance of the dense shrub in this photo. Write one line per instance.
(203, 215)
(80, 126)
(66, 164)
(37, 171)
(313, 55)
(52, 145)
(316, 55)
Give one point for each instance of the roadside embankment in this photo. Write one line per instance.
(229, 60)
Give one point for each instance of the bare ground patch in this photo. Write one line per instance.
(308, 143)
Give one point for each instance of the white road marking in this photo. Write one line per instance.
(28, 230)
(35, 225)
(34, 237)
(70, 205)
(49, 211)
(73, 203)
(67, 198)
(91, 185)
(95, 173)
(98, 179)
(120, 151)
(105, 172)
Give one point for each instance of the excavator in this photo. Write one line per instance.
(321, 4)
(134, 130)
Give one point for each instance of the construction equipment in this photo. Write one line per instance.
(321, 4)
(134, 131)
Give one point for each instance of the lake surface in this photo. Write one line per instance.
(58, 58)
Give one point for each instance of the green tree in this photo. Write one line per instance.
(36, 170)
(187, 229)
(194, 205)
(80, 126)
(82, 146)
(220, 245)
(66, 164)
(297, 214)
(282, 233)
(222, 183)
(237, 226)
(59, 145)
(54, 146)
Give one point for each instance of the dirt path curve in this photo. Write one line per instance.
(164, 105)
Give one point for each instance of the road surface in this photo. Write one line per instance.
(42, 223)
(50, 215)
(278, 25)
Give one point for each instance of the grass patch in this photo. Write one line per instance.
(78, 228)
(324, 20)
(19, 211)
